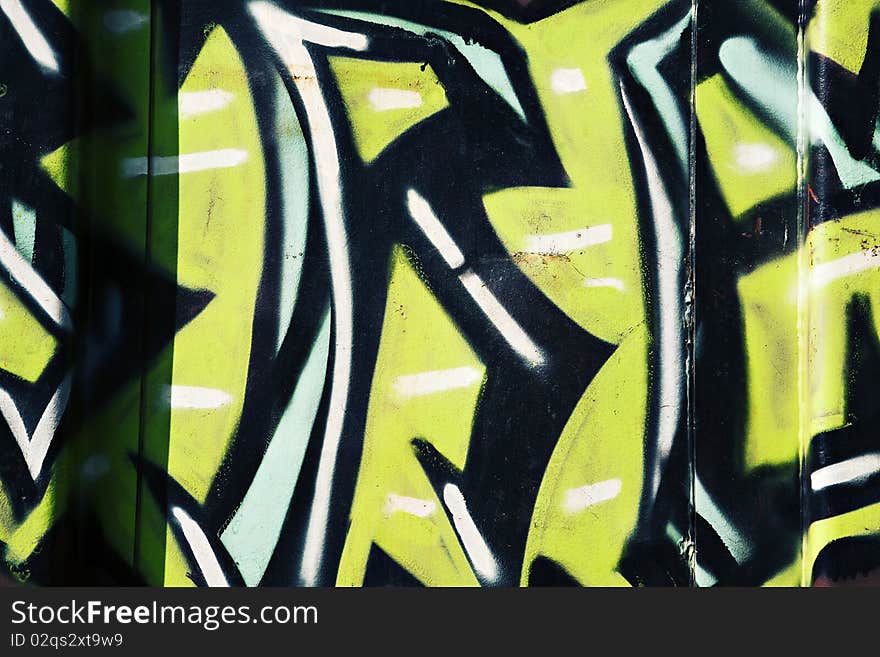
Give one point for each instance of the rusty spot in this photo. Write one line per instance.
(526, 257)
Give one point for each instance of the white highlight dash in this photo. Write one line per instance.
(428, 383)
(828, 272)
(411, 505)
(186, 163)
(559, 243)
(193, 103)
(474, 543)
(851, 471)
(578, 499)
(193, 397)
(125, 20)
(510, 330)
(30, 35)
(420, 210)
(382, 99)
(755, 158)
(567, 80)
(616, 283)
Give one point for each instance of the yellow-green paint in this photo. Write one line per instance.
(417, 336)
(587, 131)
(220, 245)
(768, 298)
(63, 5)
(59, 165)
(7, 519)
(373, 129)
(861, 522)
(751, 163)
(33, 345)
(603, 440)
(827, 336)
(839, 30)
(25, 538)
(787, 577)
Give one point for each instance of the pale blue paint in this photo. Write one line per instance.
(253, 531)
(486, 63)
(24, 224)
(643, 61)
(293, 160)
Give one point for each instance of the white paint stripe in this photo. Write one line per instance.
(30, 34)
(193, 397)
(411, 505)
(428, 383)
(286, 34)
(25, 275)
(122, 21)
(567, 80)
(44, 432)
(308, 31)
(16, 424)
(827, 272)
(512, 332)
(186, 163)
(474, 544)
(755, 158)
(34, 448)
(383, 100)
(201, 549)
(578, 499)
(727, 532)
(558, 243)
(703, 577)
(193, 103)
(616, 283)
(420, 210)
(669, 300)
(851, 471)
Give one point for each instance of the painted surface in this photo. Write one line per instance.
(448, 293)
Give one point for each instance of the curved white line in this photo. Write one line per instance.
(422, 213)
(201, 549)
(669, 300)
(25, 275)
(30, 35)
(507, 326)
(474, 543)
(286, 34)
(34, 448)
(851, 471)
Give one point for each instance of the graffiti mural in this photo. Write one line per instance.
(440, 293)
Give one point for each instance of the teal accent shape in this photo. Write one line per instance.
(253, 531)
(485, 62)
(293, 161)
(24, 224)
